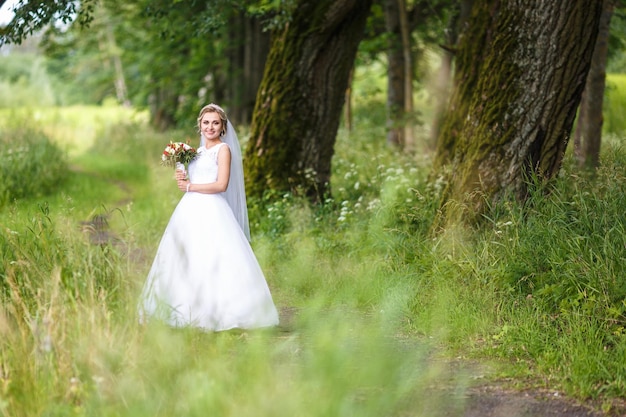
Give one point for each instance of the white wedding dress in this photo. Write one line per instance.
(205, 273)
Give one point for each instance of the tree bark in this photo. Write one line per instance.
(395, 75)
(347, 107)
(234, 74)
(520, 73)
(299, 103)
(163, 104)
(459, 16)
(247, 51)
(121, 91)
(409, 138)
(255, 54)
(588, 134)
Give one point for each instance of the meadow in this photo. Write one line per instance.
(379, 316)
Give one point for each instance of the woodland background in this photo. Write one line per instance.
(427, 180)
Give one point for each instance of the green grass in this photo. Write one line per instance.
(374, 304)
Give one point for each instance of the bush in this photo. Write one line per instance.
(31, 165)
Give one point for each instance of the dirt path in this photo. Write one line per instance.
(485, 396)
(495, 401)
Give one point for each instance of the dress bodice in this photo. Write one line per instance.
(203, 169)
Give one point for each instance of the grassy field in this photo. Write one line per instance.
(373, 306)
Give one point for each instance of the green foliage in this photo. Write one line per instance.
(31, 16)
(614, 104)
(81, 61)
(617, 40)
(31, 165)
(24, 81)
(275, 13)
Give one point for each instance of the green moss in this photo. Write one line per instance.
(270, 134)
(474, 127)
(297, 109)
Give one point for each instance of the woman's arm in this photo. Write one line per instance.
(223, 176)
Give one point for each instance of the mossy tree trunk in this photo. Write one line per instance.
(520, 72)
(299, 102)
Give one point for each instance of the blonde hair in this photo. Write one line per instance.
(213, 108)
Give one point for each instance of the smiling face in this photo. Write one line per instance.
(211, 126)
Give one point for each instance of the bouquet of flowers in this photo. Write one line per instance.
(178, 155)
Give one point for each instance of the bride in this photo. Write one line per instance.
(205, 273)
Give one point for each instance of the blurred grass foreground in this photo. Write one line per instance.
(373, 306)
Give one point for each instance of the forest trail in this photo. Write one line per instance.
(485, 397)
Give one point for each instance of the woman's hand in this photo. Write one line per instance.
(180, 175)
(181, 180)
(183, 184)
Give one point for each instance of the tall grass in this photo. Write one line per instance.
(562, 259)
(372, 304)
(71, 345)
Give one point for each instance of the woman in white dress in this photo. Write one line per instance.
(205, 273)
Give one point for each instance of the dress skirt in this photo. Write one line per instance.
(205, 273)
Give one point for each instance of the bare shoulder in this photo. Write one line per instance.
(223, 151)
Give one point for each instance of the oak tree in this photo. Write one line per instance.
(299, 102)
(520, 71)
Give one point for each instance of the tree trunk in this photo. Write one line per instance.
(395, 75)
(409, 137)
(347, 106)
(248, 47)
(255, 54)
(299, 104)
(441, 92)
(588, 135)
(235, 75)
(163, 108)
(520, 73)
(120, 81)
